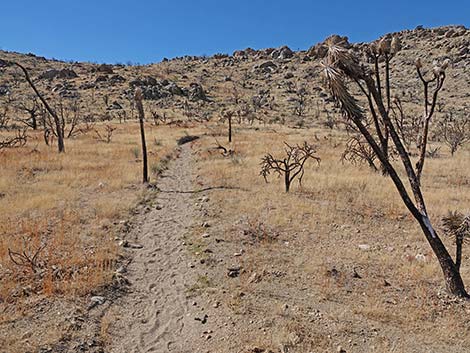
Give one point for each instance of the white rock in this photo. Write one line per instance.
(420, 257)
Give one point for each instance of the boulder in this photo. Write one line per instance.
(173, 88)
(87, 85)
(101, 78)
(54, 73)
(115, 106)
(105, 69)
(239, 53)
(145, 81)
(266, 67)
(282, 53)
(117, 79)
(288, 75)
(154, 92)
(196, 92)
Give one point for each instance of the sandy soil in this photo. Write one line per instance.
(157, 315)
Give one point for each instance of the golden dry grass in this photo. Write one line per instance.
(72, 204)
(321, 226)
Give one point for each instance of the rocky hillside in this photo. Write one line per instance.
(267, 85)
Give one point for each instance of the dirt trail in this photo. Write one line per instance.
(156, 316)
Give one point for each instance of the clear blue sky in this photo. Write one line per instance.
(146, 31)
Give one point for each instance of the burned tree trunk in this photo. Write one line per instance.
(287, 180)
(57, 122)
(291, 166)
(140, 109)
(340, 65)
(230, 128)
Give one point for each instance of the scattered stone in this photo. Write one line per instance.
(196, 92)
(117, 79)
(364, 247)
(121, 269)
(4, 90)
(282, 53)
(356, 275)
(105, 68)
(174, 89)
(289, 75)
(333, 272)
(115, 106)
(54, 73)
(123, 243)
(420, 257)
(186, 139)
(203, 319)
(254, 278)
(234, 272)
(266, 67)
(101, 78)
(95, 301)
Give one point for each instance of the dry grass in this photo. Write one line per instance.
(313, 261)
(70, 206)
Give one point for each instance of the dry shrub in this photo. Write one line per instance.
(256, 231)
(47, 256)
(69, 207)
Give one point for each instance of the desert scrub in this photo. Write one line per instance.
(60, 213)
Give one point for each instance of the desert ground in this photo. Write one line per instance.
(210, 256)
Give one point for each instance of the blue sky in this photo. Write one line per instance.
(144, 31)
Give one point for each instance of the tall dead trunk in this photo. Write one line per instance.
(341, 63)
(287, 180)
(450, 269)
(140, 108)
(58, 125)
(34, 123)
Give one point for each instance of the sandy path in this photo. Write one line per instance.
(155, 316)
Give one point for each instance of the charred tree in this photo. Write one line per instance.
(341, 66)
(140, 109)
(291, 166)
(52, 112)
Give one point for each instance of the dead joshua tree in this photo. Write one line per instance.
(290, 166)
(57, 122)
(32, 107)
(4, 117)
(358, 151)
(408, 126)
(227, 115)
(454, 131)
(140, 109)
(19, 140)
(341, 65)
(107, 135)
(300, 102)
